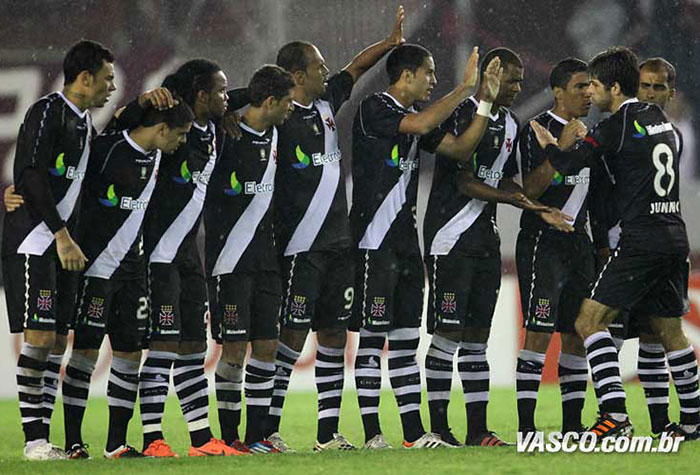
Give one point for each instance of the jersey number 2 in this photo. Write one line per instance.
(660, 152)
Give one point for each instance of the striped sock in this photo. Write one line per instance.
(122, 390)
(75, 390)
(191, 388)
(474, 373)
(684, 369)
(228, 380)
(438, 377)
(286, 358)
(654, 377)
(404, 376)
(573, 378)
(51, 376)
(368, 379)
(601, 354)
(31, 366)
(154, 381)
(259, 383)
(528, 375)
(330, 377)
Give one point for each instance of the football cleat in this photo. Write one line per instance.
(338, 442)
(448, 438)
(606, 426)
(279, 443)
(487, 439)
(240, 446)
(215, 447)
(263, 447)
(428, 440)
(378, 442)
(159, 448)
(44, 451)
(675, 430)
(78, 451)
(123, 452)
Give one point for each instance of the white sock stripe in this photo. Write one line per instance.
(404, 334)
(231, 406)
(528, 376)
(694, 395)
(125, 366)
(601, 351)
(330, 365)
(675, 354)
(74, 401)
(612, 395)
(363, 392)
(115, 402)
(690, 410)
(330, 394)
(609, 380)
(439, 354)
(573, 395)
(480, 358)
(369, 352)
(326, 413)
(365, 410)
(259, 386)
(481, 396)
(226, 386)
(30, 372)
(683, 367)
(288, 352)
(684, 381)
(198, 425)
(284, 364)
(474, 375)
(444, 344)
(189, 382)
(652, 371)
(275, 411)
(81, 363)
(197, 413)
(262, 365)
(193, 358)
(126, 385)
(595, 337)
(603, 366)
(279, 392)
(366, 333)
(160, 399)
(193, 396)
(405, 371)
(161, 355)
(660, 361)
(325, 350)
(438, 374)
(651, 347)
(368, 372)
(50, 391)
(526, 395)
(409, 408)
(655, 384)
(575, 362)
(76, 383)
(657, 400)
(148, 428)
(439, 395)
(481, 347)
(528, 355)
(393, 354)
(410, 389)
(329, 379)
(33, 391)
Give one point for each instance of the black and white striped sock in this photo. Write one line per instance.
(654, 378)
(284, 365)
(684, 369)
(122, 390)
(228, 381)
(75, 390)
(438, 378)
(191, 387)
(51, 376)
(31, 366)
(601, 354)
(474, 373)
(154, 381)
(528, 375)
(573, 378)
(368, 379)
(259, 383)
(404, 376)
(330, 378)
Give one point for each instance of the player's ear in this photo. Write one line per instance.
(84, 78)
(162, 129)
(299, 77)
(269, 103)
(202, 96)
(671, 94)
(558, 92)
(407, 75)
(615, 89)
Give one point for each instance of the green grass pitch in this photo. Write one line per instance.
(299, 429)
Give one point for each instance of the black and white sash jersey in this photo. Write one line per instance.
(238, 210)
(120, 180)
(639, 149)
(385, 175)
(457, 222)
(567, 193)
(175, 212)
(51, 157)
(311, 204)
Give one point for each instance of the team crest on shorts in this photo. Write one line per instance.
(542, 310)
(166, 317)
(231, 315)
(96, 308)
(44, 301)
(449, 304)
(378, 308)
(298, 306)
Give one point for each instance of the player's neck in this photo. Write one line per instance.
(255, 118)
(301, 96)
(617, 101)
(78, 99)
(200, 116)
(144, 137)
(402, 96)
(560, 111)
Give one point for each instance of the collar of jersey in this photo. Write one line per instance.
(75, 109)
(133, 144)
(561, 120)
(202, 128)
(476, 103)
(251, 130)
(412, 109)
(631, 100)
(297, 104)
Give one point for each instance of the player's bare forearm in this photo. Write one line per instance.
(538, 180)
(476, 189)
(461, 148)
(421, 123)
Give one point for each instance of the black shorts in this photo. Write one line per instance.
(40, 295)
(389, 290)
(463, 291)
(555, 271)
(318, 291)
(654, 284)
(178, 300)
(116, 307)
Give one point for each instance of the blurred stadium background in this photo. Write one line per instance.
(150, 38)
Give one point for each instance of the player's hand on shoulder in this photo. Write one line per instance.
(560, 221)
(492, 80)
(230, 122)
(471, 73)
(69, 253)
(12, 200)
(574, 131)
(161, 98)
(396, 37)
(544, 136)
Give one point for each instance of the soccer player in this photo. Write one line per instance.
(112, 299)
(638, 147)
(241, 258)
(462, 245)
(40, 256)
(312, 229)
(555, 269)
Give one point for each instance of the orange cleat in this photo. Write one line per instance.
(159, 448)
(215, 447)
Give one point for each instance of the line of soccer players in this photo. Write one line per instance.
(282, 256)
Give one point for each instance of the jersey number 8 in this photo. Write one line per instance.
(663, 151)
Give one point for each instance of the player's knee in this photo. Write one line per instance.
(40, 339)
(476, 335)
(86, 353)
(455, 336)
(264, 350)
(572, 344)
(60, 344)
(670, 331)
(334, 337)
(537, 341)
(167, 346)
(293, 339)
(191, 347)
(233, 352)
(649, 338)
(128, 355)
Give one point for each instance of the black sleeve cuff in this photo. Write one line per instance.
(238, 98)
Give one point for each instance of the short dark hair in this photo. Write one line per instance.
(269, 80)
(659, 64)
(87, 56)
(506, 55)
(406, 56)
(190, 78)
(294, 56)
(617, 65)
(561, 72)
(177, 116)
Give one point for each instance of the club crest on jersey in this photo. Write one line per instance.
(378, 309)
(235, 188)
(96, 308)
(449, 304)
(166, 317)
(111, 199)
(263, 156)
(509, 144)
(330, 123)
(297, 309)
(44, 302)
(303, 159)
(543, 309)
(231, 315)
